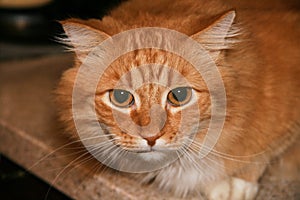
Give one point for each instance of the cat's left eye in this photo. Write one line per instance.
(121, 98)
(180, 96)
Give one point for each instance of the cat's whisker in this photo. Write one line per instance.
(110, 141)
(54, 151)
(63, 170)
(79, 141)
(96, 151)
(80, 162)
(67, 155)
(232, 158)
(198, 165)
(195, 153)
(224, 154)
(91, 148)
(216, 153)
(113, 155)
(192, 159)
(106, 150)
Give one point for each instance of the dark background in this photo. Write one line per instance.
(17, 184)
(40, 24)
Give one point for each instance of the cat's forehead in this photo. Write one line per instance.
(151, 66)
(152, 74)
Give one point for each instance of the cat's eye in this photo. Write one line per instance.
(121, 98)
(180, 96)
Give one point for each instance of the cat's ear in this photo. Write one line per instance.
(219, 35)
(82, 38)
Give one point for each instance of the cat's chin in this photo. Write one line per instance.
(152, 155)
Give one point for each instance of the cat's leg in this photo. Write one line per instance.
(232, 189)
(242, 184)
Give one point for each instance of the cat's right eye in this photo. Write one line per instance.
(180, 96)
(121, 98)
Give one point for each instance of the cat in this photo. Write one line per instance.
(258, 62)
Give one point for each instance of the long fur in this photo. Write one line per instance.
(259, 67)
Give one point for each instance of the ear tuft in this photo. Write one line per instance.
(81, 38)
(220, 35)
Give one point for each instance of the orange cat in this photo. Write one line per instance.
(156, 107)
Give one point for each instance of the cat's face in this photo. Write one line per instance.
(147, 101)
(151, 107)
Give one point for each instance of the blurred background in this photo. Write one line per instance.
(35, 23)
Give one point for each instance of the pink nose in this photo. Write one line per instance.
(151, 140)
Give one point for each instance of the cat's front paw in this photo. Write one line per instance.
(233, 189)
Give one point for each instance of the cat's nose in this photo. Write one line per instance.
(151, 140)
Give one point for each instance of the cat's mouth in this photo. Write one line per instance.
(152, 155)
(147, 151)
(143, 151)
(137, 150)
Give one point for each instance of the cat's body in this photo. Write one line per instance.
(261, 77)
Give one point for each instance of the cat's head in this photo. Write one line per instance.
(148, 101)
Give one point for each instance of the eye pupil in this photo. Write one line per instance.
(121, 98)
(179, 96)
